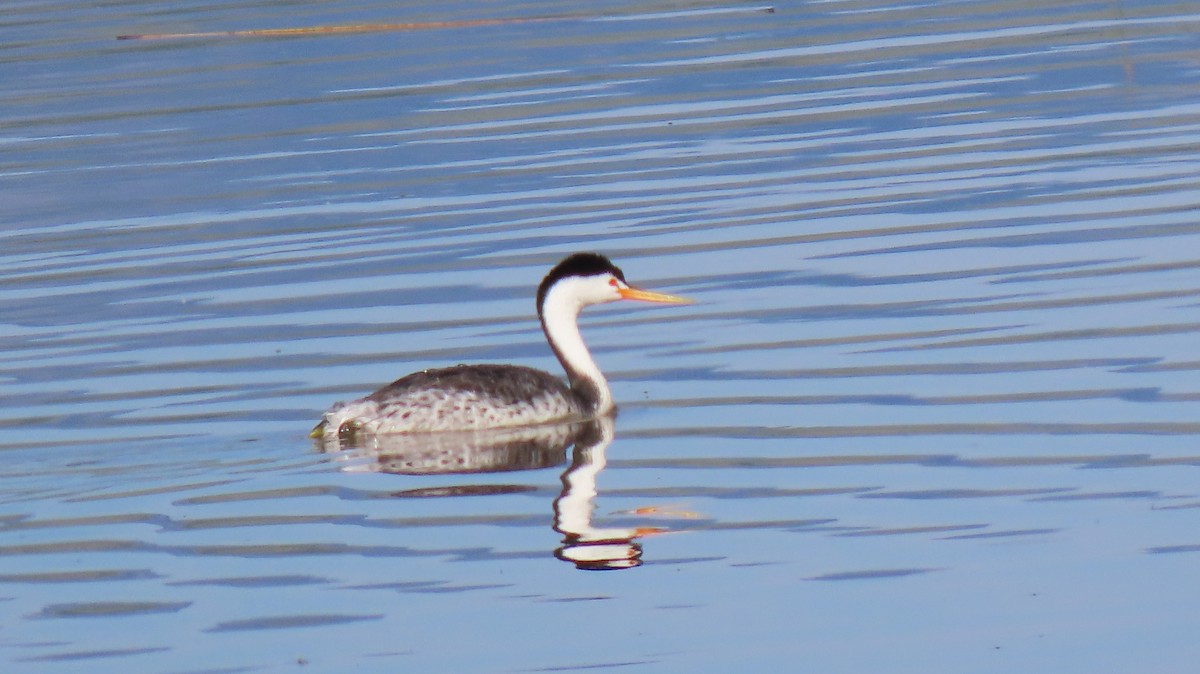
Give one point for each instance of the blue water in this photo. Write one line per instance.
(935, 409)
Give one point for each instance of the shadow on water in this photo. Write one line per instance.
(585, 545)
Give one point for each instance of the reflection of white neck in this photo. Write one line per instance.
(585, 545)
(578, 501)
(560, 321)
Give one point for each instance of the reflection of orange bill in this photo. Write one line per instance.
(662, 511)
(649, 296)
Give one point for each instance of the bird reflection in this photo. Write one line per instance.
(511, 449)
(587, 546)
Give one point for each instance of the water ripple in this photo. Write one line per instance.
(945, 260)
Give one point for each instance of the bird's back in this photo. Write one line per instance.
(464, 397)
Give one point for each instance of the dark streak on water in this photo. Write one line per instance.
(944, 352)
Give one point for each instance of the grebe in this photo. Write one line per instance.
(477, 397)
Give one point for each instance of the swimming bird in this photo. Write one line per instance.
(479, 397)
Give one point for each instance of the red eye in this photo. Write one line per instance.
(612, 282)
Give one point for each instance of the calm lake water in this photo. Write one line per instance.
(936, 409)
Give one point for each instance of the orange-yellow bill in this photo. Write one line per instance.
(648, 296)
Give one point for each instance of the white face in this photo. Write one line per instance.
(571, 294)
(590, 290)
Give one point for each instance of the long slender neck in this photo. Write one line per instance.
(560, 321)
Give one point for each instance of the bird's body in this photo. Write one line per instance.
(463, 397)
(479, 397)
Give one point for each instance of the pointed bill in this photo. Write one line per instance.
(649, 296)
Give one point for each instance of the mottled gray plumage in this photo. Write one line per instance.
(504, 384)
(463, 397)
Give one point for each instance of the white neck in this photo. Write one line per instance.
(560, 321)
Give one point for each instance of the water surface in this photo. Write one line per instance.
(935, 409)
